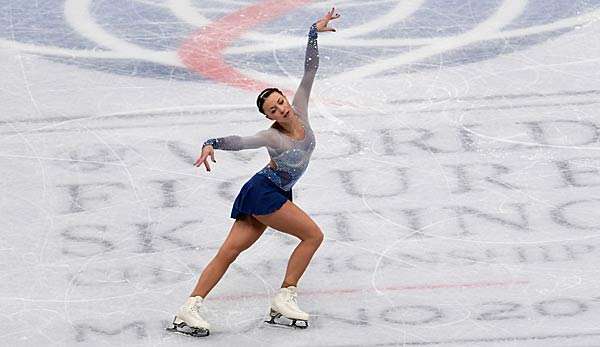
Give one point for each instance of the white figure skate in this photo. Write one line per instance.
(188, 319)
(285, 305)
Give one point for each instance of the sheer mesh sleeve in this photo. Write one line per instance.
(263, 138)
(311, 64)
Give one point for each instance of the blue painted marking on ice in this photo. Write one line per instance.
(40, 23)
(473, 53)
(157, 28)
(440, 18)
(540, 12)
(131, 68)
(148, 26)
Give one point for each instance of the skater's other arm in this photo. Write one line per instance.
(264, 138)
(311, 64)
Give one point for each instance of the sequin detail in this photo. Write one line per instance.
(292, 162)
(291, 156)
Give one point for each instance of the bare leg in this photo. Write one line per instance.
(242, 235)
(290, 219)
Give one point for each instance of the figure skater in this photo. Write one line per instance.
(266, 199)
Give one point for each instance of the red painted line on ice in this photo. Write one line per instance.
(475, 285)
(203, 51)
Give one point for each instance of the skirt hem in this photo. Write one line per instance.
(259, 196)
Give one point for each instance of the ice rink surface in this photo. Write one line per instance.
(456, 175)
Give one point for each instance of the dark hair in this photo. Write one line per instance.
(260, 100)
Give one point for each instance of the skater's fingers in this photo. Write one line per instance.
(212, 157)
(206, 165)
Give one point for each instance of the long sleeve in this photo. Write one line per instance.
(311, 64)
(264, 138)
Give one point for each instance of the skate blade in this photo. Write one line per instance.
(182, 328)
(280, 321)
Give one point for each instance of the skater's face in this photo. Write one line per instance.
(277, 107)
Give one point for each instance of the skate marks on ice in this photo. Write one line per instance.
(420, 324)
(106, 242)
(480, 227)
(413, 322)
(213, 115)
(427, 319)
(142, 38)
(468, 159)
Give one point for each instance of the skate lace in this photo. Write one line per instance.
(195, 308)
(292, 299)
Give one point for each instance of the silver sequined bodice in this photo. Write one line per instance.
(292, 161)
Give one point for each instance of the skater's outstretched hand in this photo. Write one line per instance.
(323, 22)
(207, 151)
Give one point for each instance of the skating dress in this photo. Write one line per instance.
(271, 187)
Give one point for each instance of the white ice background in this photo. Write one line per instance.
(456, 175)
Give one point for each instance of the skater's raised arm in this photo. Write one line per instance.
(264, 138)
(311, 64)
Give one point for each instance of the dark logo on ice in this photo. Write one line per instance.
(141, 37)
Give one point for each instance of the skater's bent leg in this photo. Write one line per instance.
(290, 219)
(242, 235)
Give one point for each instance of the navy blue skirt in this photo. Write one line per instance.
(259, 196)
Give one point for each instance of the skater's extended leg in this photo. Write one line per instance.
(242, 235)
(290, 219)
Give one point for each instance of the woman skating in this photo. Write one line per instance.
(266, 199)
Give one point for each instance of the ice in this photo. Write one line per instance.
(456, 175)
